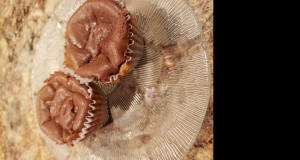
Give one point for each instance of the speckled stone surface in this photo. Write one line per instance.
(21, 23)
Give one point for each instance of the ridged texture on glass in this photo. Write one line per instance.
(157, 109)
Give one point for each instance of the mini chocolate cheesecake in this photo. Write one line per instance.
(103, 41)
(68, 109)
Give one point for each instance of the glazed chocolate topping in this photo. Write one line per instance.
(97, 38)
(62, 107)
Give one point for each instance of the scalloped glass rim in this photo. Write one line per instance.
(159, 107)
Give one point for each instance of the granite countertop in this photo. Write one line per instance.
(21, 23)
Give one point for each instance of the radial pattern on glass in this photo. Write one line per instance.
(156, 111)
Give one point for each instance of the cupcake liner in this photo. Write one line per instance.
(97, 113)
(134, 49)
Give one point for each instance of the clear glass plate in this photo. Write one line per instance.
(156, 111)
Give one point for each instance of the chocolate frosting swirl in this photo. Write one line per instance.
(62, 107)
(97, 39)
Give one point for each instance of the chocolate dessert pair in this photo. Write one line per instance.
(103, 43)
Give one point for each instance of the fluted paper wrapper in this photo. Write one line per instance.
(134, 48)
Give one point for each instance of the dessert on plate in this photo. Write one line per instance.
(68, 109)
(103, 41)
